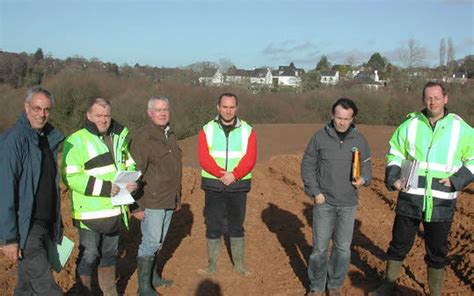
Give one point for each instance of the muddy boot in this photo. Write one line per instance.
(237, 250)
(106, 276)
(435, 280)
(85, 284)
(145, 264)
(157, 280)
(391, 275)
(213, 247)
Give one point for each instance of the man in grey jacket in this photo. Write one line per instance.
(329, 179)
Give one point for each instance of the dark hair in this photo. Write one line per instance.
(346, 104)
(431, 84)
(227, 95)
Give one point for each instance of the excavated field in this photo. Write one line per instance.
(278, 232)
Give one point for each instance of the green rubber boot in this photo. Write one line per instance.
(237, 250)
(213, 247)
(392, 273)
(435, 280)
(157, 280)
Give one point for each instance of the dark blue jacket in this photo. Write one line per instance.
(20, 169)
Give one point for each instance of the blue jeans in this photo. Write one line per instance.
(154, 228)
(336, 222)
(94, 245)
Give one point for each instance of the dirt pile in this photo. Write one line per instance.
(278, 233)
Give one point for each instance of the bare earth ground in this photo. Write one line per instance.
(278, 232)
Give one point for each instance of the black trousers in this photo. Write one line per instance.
(435, 236)
(225, 212)
(34, 271)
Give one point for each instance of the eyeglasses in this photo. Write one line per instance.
(433, 99)
(38, 109)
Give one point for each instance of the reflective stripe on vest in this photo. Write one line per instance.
(434, 193)
(101, 170)
(98, 214)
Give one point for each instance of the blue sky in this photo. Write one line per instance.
(248, 33)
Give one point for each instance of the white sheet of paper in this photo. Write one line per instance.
(124, 197)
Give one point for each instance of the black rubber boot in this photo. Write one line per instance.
(145, 264)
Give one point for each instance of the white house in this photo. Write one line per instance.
(216, 79)
(261, 76)
(284, 76)
(329, 77)
(237, 76)
(288, 75)
(369, 79)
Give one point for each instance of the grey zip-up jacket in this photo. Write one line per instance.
(327, 165)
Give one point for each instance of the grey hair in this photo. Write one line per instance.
(38, 90)
(100, 101)
(157, 98)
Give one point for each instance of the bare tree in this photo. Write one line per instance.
(351, 60)
(450, 62)
(442, 52)
(412, 54)
(225, 64)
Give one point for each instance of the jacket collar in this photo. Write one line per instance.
(156, 132)
(333, 133)
(114, 127)
(237, 122)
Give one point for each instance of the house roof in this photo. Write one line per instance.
(259, 72)
(328, 73)
(365, 77)
(287, 71)
(238, 72)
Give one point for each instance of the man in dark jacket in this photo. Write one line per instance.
(329, 179)
(92, 157)
(30, 201)
(157, 154)
(440, 144)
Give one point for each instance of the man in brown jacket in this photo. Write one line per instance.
(156, 152)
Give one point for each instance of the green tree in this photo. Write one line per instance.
(323, 64)
(38, 55)
(376, 62)
(311, 80)
(468, 66)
